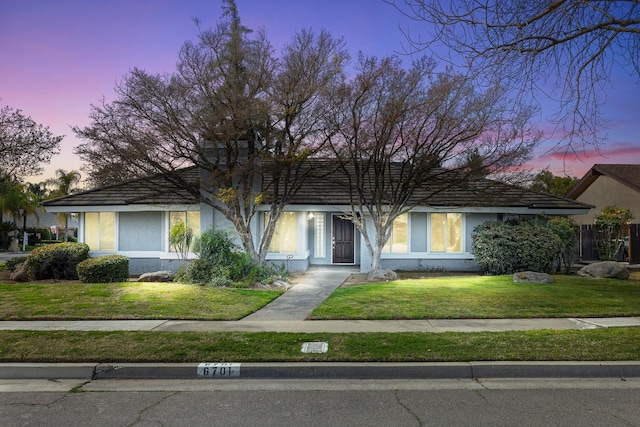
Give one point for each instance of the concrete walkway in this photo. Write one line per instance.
(299, 301)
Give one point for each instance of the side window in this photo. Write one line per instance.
(100, 231)
(285, 236)
(190, 218)
(446, 232)
(399, 240)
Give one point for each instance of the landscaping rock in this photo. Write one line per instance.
(20, 273)
(381, 275)
(532, 277)
(157, 276)
(605, 269)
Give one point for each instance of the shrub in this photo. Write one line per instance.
(221, 264)
(180, 239)
(104, 269)
(216, 246)
(57, 261)
(504, 248)
(566, 230)
(610, 229)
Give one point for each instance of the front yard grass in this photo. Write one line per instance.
(121, 347)
(476, 297)
(129, 300)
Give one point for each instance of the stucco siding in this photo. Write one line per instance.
(418, 231)
(137, 266)
(140, 231)
(605, 191)
(474, 220)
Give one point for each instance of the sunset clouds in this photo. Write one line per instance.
(59, 57)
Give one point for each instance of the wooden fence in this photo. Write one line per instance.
(629, 250)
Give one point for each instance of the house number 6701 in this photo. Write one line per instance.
(219, 370)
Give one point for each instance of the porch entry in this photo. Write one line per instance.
(343, 244)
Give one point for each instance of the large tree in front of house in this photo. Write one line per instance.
(403, 135)
(247, 119)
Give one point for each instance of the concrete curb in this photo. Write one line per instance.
(458, 370)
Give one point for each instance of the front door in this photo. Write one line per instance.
(343, 241)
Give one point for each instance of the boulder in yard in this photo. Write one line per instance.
(381, 275)
(605, 269)
(157, 276)
(532, 277)
(20, 274)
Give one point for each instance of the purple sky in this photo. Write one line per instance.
(58, 57)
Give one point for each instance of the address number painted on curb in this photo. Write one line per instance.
(219, 370)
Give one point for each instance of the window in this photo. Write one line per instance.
(319, 239)
(100, 231)
(446, 232)
(399, 240)
(190, 218)
(285, 236)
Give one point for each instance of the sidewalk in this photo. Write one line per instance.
(329, 326)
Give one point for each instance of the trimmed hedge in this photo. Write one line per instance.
(58, 261)
(104, 269)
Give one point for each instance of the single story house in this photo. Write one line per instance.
(134, 218)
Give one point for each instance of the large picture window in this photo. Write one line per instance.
(399, 240)
(446, 232)
(190, 218)
(100, 231)
(285, 236)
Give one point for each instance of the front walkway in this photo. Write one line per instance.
(299, 301)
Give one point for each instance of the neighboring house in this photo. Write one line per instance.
(134, 219)
(609, 185)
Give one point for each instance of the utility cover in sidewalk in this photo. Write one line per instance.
(315, 347)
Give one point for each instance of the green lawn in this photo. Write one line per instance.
(69, 301)
(75, 346)
(447, 297)
(473, 296)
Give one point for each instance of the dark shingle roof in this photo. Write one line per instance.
(326, 189)
(628, 175)
(150, 191)
(331, 189)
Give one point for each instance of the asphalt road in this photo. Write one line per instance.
(540, 402)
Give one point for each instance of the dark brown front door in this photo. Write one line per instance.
(343, 245)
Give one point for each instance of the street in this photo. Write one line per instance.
(537, 402)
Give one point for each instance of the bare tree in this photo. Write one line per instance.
(24, 144)
(565, 50)
(246, 119)
(404, 136)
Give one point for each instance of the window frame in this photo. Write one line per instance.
(388, 247)
(185, 217)
(430, 234)
(276, 232)
(87, 234)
